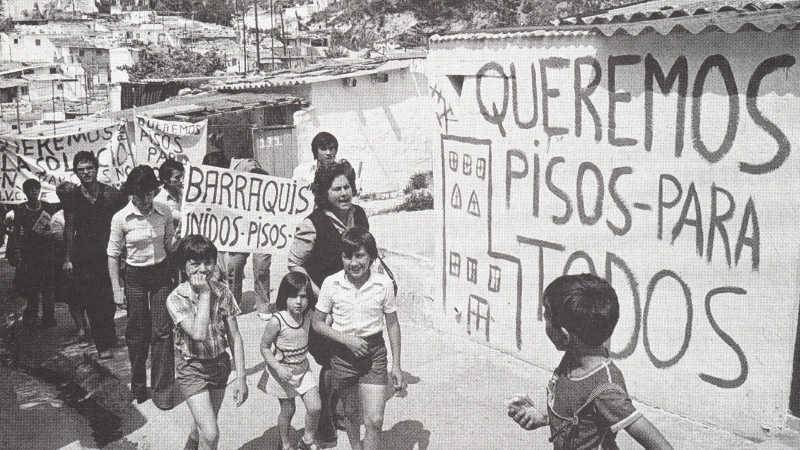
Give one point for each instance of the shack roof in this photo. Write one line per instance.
(12, 83)
(696, 18)
(7, 67)
(48, 77)
(329, 70)
(77, 42)
(211, 103)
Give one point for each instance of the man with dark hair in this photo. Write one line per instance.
(87, 225)
(170, 174)
(324, 147)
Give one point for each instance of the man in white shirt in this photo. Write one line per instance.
(325, 147)
(171, 176)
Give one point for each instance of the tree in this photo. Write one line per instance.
(174, 63)
(209, 11)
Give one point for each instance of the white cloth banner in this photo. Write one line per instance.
(159, 140)
(49, 159)
(241, 211)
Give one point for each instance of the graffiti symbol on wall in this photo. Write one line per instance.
(446, 114)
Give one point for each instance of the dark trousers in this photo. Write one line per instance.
(92, 287)
(150, 330)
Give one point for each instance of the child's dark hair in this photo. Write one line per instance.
(291, 285)
(585, 305)
(31, 183)
(356, 237)
(195, 247)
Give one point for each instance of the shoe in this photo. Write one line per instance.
(303, 445)
(84, 340)
(141, 397)
(105, 354)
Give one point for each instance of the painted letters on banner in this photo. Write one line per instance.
(49, 159)
(243, 212)
(159, 140)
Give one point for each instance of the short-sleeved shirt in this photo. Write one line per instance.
(146, 238)
(182, 303)
(599, 423)
(358, 312)
(92, 224)
(164, 197)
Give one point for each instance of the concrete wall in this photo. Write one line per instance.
(25, 49)
(555, 158)
(380, 126)
(119, 57)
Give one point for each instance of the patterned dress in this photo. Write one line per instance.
(291, 351)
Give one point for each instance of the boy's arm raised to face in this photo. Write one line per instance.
(647, 435)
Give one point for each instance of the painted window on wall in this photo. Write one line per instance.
(455, 264)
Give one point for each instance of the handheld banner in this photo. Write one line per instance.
(159, 140)
(49, 159)
(241, 211)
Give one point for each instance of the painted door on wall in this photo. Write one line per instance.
(275, 148)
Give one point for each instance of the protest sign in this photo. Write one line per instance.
(49, 159)
(159, 140)
(241, 211)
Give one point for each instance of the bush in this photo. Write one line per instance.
(420, 180)
(417, 201)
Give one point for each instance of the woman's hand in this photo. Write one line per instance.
(358, 346)
(284, 374)
(119, 297)
(199, 283)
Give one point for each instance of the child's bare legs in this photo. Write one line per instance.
(285, 420)
(313, 406)
(352, 425)
(373, 405)
(205, 406)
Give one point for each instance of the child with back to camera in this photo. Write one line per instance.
(587, 401)
(289, 371)
(204, 313)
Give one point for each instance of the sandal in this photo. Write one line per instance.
(303, 445)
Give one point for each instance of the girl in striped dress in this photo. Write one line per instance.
(285, 349)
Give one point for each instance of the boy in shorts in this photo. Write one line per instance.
(362, 303)
(202, 310)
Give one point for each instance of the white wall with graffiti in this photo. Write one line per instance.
(382, 127)
(663, 163)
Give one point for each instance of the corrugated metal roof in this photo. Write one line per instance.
(212, 103)
(48, 77)
(699, 18)
(328, 71)
(5, 84)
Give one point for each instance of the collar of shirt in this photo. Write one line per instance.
(166, 195)
(131, 209)
(351, 221)
(376, 279)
